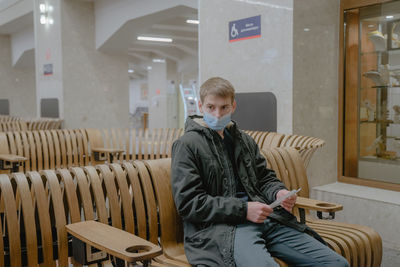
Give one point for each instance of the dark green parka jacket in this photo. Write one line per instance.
(203, 185)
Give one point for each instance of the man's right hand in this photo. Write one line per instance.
(257, 212)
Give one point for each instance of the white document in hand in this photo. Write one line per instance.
(282, 198)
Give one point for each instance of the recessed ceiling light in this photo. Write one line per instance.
(192, 21)
(159, 60)
(131, 71)
(149, 67)
(389, 17)
(306, 29)
(371, 25)
(154, 39)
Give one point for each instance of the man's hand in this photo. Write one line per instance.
(288, 203)
(257, 212)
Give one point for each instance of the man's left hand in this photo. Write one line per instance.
(288, 203)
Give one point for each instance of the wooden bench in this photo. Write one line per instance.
(39, 205)
(156, 143)
(360, 245)
(49, 149)
(306, 145)
(13, 126)
(136, 198)
(139, 143)
(44, 124)
(8, 123)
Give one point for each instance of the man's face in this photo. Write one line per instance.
(217, 106)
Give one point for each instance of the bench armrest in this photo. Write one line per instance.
(320, 206)
(317, 205)
(102, 153)
(114, 241)
(11, 162)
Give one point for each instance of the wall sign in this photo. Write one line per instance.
(243, 29)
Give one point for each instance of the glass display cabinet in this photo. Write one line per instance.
(372, 92)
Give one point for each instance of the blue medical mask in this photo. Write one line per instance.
(217, 124)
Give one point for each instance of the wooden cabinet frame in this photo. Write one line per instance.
(352, 64)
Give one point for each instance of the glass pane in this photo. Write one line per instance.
(379, 93)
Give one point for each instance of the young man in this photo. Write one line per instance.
(222, 189)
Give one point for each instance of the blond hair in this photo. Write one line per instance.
(217, 86)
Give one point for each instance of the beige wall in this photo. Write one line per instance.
(17, 85)
(315, 81)
(95, 84)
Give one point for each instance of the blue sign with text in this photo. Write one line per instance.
(243, 29)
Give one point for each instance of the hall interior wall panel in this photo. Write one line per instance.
(16, 84)
(96, 84)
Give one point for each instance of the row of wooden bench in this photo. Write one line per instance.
(49, 149)
(18, 124)
(40, 207)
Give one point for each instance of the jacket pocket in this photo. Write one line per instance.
(201, 237)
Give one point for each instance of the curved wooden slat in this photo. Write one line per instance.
(59, 214)
(126, 198)
(11, 220)
(111, 193)
(84, 192)
(151, 207)
(138, 199)
(28, 215)
(43, 214)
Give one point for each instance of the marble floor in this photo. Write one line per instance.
(390, 258)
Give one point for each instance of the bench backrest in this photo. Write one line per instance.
(48, 149)
(306, 145)
(8, 123)
(141, 143)
(13, 126)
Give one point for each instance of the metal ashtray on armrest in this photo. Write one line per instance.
(114, 241)
(320, 206)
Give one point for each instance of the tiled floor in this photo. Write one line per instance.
(391, 258)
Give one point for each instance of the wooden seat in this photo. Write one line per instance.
(360, 245)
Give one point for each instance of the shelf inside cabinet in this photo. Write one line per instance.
(380, 87)
(380, 121)
(381, 160)
(385, 86)
(373, 53)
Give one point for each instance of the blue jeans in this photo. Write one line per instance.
(256, 244)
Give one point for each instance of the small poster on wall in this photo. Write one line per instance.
(48, 69)
(143, 91)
